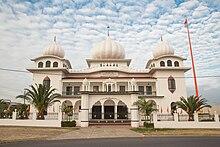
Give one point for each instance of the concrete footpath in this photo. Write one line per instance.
(98, 132)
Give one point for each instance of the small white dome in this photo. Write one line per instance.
(108, 49)
(85, 82)
(55, 50)
(162, 49)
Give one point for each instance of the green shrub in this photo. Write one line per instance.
(68, 123)
(148, 125)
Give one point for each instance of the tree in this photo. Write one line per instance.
(2, 108)
(145, 107)
(41, 96)
(192, 104)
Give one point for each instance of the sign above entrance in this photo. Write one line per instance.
(109, 74)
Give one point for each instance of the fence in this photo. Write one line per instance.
(182, 121)
(30, 119)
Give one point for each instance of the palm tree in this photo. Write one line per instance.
(145, 107)
(192, 104)
(41, 96)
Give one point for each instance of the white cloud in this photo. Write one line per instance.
(27, 28)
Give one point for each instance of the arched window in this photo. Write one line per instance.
(109, 88)
(171, 84)
(100, 65)
(48, 64)
(162, 63)
(176, 64)
(46, 81)
(55, 64)
(40, 64)
(169, 63)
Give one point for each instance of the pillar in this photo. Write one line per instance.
(116, 111)
(176, 117)
(216, 117)
(85, 110)
(102, 111)
(196, 117)
(134, 111)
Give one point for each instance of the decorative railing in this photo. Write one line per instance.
(206, 117)
(165, 117)
(109, 116)
(183, 117)
(70, 117)
(24, 115)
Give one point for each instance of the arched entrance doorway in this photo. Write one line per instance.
(122, 110)
(109, 108)
(97, 111)
(67, 109)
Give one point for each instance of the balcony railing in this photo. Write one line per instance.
(78, 94)
(149, 93)
(71, 94)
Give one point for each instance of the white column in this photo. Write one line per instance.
(196, 117)
(14, 114)
(129, 86)
(176, 117)
(85, 110)
(216, 117)
(116, 111)
(103, 87)
(102, 111)
(134, 111)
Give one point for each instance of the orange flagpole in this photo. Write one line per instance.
(191, 53)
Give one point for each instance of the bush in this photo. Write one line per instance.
(148, 125)
(68, 123)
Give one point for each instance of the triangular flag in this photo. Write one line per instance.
(186, 22)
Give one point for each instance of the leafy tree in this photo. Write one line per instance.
(192, 104)
(41, 96)
(145, 107)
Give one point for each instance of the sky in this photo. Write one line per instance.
(27, 27)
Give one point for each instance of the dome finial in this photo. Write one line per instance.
(161, 38)
(108, 30)
(55, 39)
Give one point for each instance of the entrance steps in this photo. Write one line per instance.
(109, 122)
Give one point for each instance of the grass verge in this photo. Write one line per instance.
(177, 132)
(12, 134)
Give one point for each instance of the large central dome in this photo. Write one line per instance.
(108, 49)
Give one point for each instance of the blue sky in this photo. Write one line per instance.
(27, 27)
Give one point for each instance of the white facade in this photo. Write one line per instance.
(106, 91)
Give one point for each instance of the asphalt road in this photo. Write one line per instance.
(125, 142)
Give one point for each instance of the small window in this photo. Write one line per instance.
(69, 90)
(46, 81)
(40, 64)
(176, 64)
(100, 65)
(55, 64)
(48, 64)
(171, 84)
(76, 90)
(122, 88)
(141, 90)
(149, 90)
(109, 88)
(169, 63)
(95, 88)
(162, 63)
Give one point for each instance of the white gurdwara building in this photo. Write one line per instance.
(106, 90)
